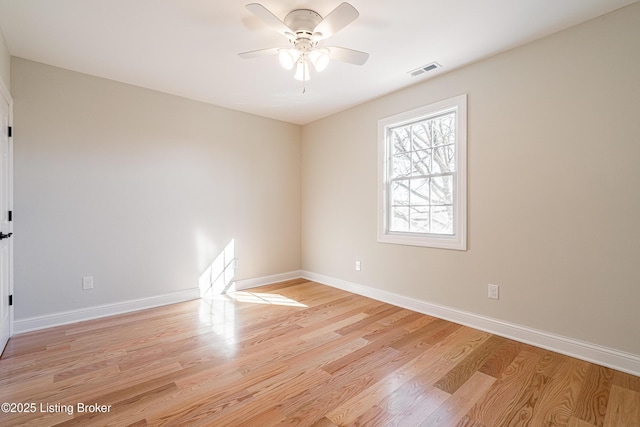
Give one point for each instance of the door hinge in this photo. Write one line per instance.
(10, 299)
(10, 131)
(10, 216)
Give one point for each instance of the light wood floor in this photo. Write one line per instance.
(300, 353)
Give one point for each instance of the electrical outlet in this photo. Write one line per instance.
(358, 266)
(494, 291)
(87, 282)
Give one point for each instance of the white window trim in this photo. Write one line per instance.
(459, 240)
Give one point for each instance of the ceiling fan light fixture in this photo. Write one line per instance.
(320, 59)
(288, 58)
(305, 28)
(302, 70)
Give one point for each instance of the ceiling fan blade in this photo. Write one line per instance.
(268, 18)
(348, 55)
(258, 53)
(336, 20)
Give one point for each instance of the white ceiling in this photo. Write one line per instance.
(189, 47)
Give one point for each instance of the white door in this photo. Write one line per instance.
(6, 226)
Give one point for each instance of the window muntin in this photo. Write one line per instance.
(423, 188)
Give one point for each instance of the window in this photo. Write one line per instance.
(422, 176)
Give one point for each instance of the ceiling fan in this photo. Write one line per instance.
(305, 28)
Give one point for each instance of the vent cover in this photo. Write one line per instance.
(424, 69)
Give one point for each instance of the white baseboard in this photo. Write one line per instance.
(266, 280)
(89, 313)
(605, 356)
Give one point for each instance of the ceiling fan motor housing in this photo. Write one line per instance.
(303, 22)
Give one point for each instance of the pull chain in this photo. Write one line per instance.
(304, 80)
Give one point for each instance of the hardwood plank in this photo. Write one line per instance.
(346, 308)
(468, 422)
(577, 422)
(403, 317)
(593, 400)
(501, 358)
(413, 402)
(335, 327)
(559, 396)
(375, 416)
(455, 408)
(469, 365)
(271, 417)
(382, 328)
(624, 380)
(372, 316)
(323, 422)
(459, 353)
(364, 352)
(332, 309)
(499, 402)
(427, 335)
(623, 409)
(325, 352)
(529, 401)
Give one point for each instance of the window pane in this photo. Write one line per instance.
(420, 219)
(444, 159)
(420, 191)
(442, 190)
(444, 129)
(442, 220)
(400, 140)
(401, 165)
(399, 219)
(422, 162)
(400, 192)
(421, 135)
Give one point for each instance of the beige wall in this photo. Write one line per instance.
(5, 63)
(554, 200)
(141, 190)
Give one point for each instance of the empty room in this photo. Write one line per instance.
(320, 213)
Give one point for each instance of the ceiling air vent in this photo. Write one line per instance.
(424, 69)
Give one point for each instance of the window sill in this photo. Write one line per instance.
(441, 242)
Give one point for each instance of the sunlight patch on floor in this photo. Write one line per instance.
(263, 298)
(219, 311)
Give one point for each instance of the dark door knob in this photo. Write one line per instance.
(4, 236)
